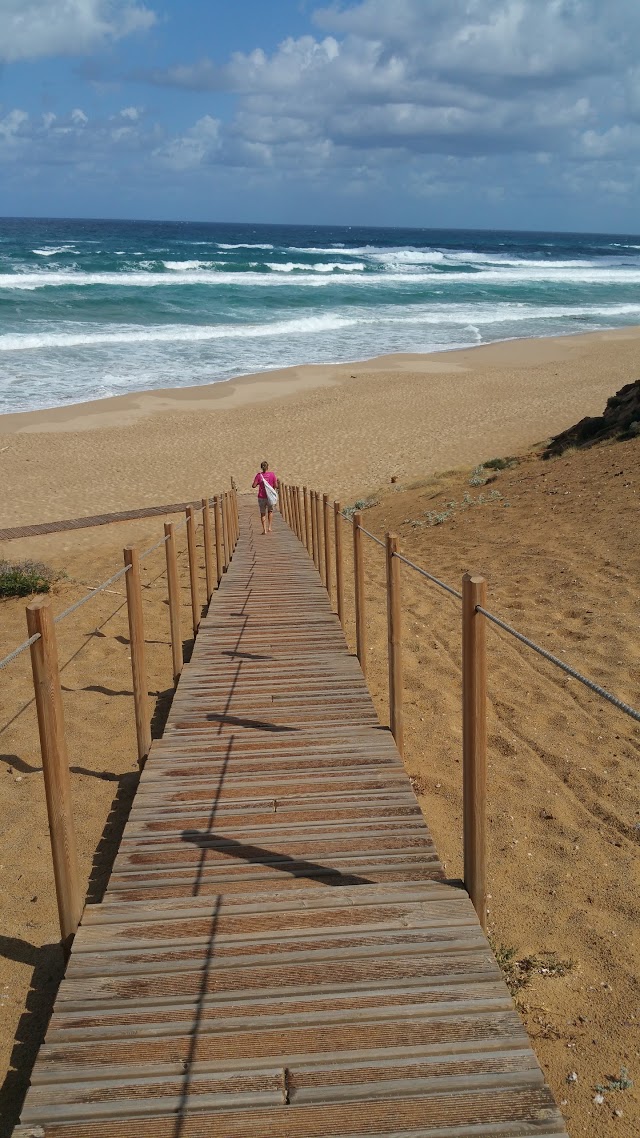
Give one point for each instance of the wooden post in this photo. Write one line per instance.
(225, 531)
(173, 584)
(474, 742)
(394, 641)
(339, 569)
(217, 517)
(307, 522)
(319, 528)
(280, 488)
(55, 767)
(300, 515)
(296, 511)
(236, 515)
(193, 567)
(314, 537)
(136, 643)
(208, 547)
(358, 574)
(327, 543)
(232, 516)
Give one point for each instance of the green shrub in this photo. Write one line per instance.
(25, 578)
(500, 463)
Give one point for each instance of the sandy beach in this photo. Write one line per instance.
(347, 427)
(558, 544)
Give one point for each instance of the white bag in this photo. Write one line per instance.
(272, 495)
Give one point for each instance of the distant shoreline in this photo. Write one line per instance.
(342, 428)
(260, 387)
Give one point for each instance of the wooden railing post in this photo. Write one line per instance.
(217, 517)
(337, 520)
(299, 530)
(327, 543)
(138, 662)
(474, 742)
(193, 568)
(307, 522)
(314, 536)
(394, 640)
(55, 767)
(233, 499)
(173, 585)
(208, 548)
(225, 531)
(319, 529)
(358, 574)
(236, 514)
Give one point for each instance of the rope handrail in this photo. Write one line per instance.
(372, 536)
(552, 659)
(576, 675)
(94, 592)
(429, 576)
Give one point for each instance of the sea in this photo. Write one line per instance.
(90, 309)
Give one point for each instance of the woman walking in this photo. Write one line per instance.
(266, 481)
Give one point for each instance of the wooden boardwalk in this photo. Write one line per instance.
(278, 954)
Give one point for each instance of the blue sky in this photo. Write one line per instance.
(487, 113)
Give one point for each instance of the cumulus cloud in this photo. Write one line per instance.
(35, 28)
(442, 95)
(458, 77)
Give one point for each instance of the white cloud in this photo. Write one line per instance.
(459, 77)
(36, 28)
(192, 149)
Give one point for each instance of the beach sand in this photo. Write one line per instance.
(560, 550)
(345, 427)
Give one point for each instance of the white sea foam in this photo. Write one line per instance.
(172, 333)
(51, 251)
(319, 267)
(242, 245)
(312, 277)
(176, 266)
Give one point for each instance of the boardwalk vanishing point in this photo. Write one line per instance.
(278, 953)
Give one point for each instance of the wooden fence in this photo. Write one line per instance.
(309, 515)
(220, 528)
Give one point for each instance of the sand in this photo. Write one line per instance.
(560, 550)
(343, 427)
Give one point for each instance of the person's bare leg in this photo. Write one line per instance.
(263, 522)
(270, 517)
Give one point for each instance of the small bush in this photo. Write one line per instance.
(25, 578)
(479, 477)
(518, 973)
(500, 463)
(361, 504)
(622, 1082)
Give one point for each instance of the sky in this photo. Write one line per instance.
(520, 114)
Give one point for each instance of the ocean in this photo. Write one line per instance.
(90, 309)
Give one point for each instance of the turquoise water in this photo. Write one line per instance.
(96, 308)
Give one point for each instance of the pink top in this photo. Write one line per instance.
(271, 478)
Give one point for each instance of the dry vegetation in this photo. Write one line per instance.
(558, 543)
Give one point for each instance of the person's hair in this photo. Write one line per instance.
(264, 465)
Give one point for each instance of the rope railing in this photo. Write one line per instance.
(220, 536)
(94, 592)
(308, 525)
(573, 672)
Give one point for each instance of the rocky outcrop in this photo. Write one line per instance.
(620, 420)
